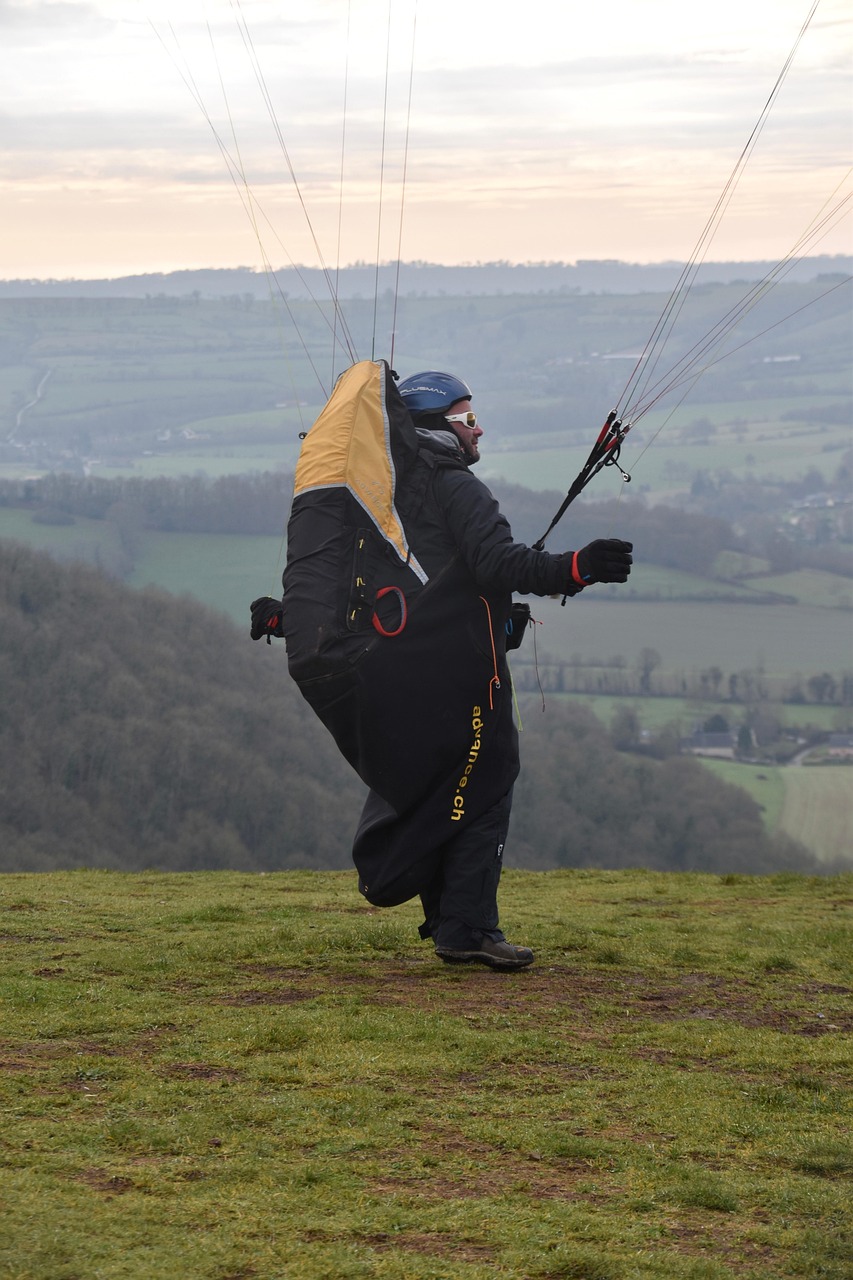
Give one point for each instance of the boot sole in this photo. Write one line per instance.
(481, 957)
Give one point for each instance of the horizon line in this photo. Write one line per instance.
(415, 263)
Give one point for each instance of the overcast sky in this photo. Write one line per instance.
(593, 130)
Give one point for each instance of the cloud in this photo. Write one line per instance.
(627, 117)
(34, 21)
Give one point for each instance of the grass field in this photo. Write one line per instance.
(228, 571)
(768, 447)
(781, 639)
(684, 713)
(813, 805)
(221, 1076)
(765, 783)
(810, 586)
(818, 808)
(86, 540)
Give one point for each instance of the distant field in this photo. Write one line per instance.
(768, 448)
(214, 461)
(655, 580)
(227, 571)
(810, 586)
(667, 467)
(224, 571)
(765, 783)
(811, 804)
(88, 540)
(818, 809)
(654, 713)
(783, 639)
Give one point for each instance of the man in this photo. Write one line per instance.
(412, 679)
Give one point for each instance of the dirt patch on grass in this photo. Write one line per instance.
(107, 1183)
(433, 1244)
(149, 1041)
(437, 1244)
(727, 1243)
(37, 1055)
(265, 996)
(291, 986)
(456, 1167)
(580, 998)
(560, 989)
(702, 995)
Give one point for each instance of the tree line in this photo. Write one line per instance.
(745, 687)
(258, 504)
(137, 732)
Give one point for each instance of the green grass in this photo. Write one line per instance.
(765, 783)
(655, 580)
(84, 539)
(655, 713)
(812, 805)
(219, 1076)
(782, 639)
(212, 458)
(226, 571)
(810, 586)
(768, 448)
(818, 809)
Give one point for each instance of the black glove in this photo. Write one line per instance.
(267, 618)
(605, 560)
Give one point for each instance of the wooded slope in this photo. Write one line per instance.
(139, 730)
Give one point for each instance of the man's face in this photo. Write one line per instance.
(468, 436)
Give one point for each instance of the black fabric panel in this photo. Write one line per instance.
(413, 718)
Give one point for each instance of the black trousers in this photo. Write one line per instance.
(461, 902)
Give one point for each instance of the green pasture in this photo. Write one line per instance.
(93, 541)
(73, 396)
(198, 457)
(784, 639)
(810, 803)
(221, 1076)
(279, 424)
(780, 639)
(769, 451)
(224, 571)
(810, 586)
(228, 570)
(765, 783)
(685, 713)
(654, 580)
(818, 809)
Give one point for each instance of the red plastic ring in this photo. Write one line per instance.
(404, 613)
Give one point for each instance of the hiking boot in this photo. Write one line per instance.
(497, 955)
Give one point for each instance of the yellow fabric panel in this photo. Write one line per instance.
(349, 446)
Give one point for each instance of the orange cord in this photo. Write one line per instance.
(495, 680)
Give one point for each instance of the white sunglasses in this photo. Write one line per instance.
(468, 419)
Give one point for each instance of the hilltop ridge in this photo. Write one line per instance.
(426, 279)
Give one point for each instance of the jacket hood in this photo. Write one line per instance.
(442, 442)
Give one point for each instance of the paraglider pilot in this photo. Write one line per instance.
(397, 614)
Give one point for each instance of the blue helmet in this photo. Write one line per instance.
(432, 392)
